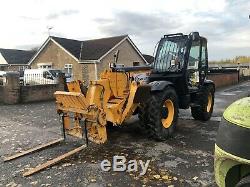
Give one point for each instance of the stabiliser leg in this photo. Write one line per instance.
(63, 126)
(86, 132)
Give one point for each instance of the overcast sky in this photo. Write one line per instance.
(226, 25)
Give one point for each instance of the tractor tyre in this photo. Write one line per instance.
(244, 182)
(143, 115)
(205, 101)
(163, 114)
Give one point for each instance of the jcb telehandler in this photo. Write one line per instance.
(177, 79)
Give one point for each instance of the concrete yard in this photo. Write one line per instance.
(184, 160)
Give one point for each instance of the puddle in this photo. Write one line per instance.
(226, 93)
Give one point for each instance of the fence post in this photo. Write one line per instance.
(11, 88)
(62, 82)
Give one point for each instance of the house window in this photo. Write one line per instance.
(68, 70)
(22, 68)
(136, 63)
(45, 66)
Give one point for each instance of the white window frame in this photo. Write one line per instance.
(22, 68)
(45, 66)
(68, 69)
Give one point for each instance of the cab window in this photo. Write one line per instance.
(203, 54)
(194, 56)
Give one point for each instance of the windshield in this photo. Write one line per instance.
(55, 73)
(170, 54)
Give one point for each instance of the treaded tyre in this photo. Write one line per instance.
(143, 116)
(163, 114)
(206, 102)
(244, 182)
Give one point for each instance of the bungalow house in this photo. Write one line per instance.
(85, 60)
(14, 59)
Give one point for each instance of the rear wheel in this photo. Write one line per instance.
(162, 114)
(206, 103)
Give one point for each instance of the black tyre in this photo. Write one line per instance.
(162, 114)
(205, 100)
(244, 182)
(143, 116)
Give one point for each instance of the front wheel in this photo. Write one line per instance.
(163, 114)
(205, 100)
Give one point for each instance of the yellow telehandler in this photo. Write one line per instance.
(177, 79)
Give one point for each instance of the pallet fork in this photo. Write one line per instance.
(43, 146)
(89, 121)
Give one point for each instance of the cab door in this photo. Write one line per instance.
(203, 65)
(197, 63)
(194, 62)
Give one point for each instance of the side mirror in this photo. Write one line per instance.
(195, 36)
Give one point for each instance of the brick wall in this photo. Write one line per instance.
(12, 92)
(39, 92)
(223, 79)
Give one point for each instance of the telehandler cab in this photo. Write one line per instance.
(176, 79)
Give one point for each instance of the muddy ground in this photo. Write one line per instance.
(184, 160)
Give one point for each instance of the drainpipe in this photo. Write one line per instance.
(96, 75)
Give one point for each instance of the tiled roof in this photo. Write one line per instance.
(15, 56)
(148, 58)
(89, 49)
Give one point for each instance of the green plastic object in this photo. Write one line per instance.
(238, 112)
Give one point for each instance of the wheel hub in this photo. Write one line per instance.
(209, 102)
(167, 113)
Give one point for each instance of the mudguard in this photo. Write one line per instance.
(159, 85)
(142, 94)
(207, 82)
